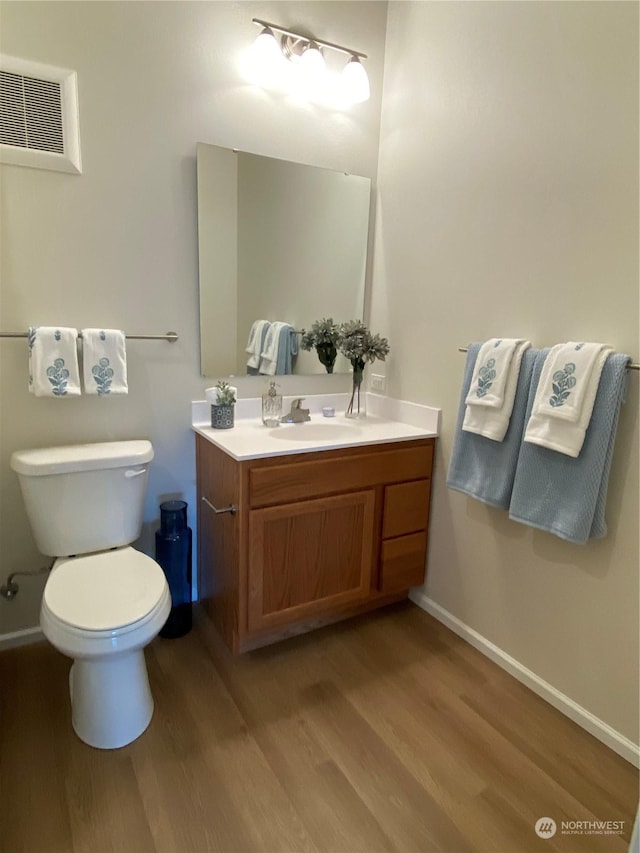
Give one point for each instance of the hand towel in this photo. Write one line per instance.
(565, 396)
(491, 371)
(104, 362)
(269, 356)
(482, 417)
(53, 362)
(567, 495)
(481, 468)
(255, 343)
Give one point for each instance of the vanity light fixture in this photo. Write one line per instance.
(296, 62)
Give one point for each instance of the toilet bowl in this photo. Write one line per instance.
(104, 605)
(102, 610)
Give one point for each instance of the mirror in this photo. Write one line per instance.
(277, 241)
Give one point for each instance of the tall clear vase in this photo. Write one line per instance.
(357, 407)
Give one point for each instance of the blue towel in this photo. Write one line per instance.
(287, 348)
(566, 495)
(482, 468)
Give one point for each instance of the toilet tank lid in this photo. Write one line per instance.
(81, 457)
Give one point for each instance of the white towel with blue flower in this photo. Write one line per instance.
(492, 391)
(53, 361)
(104, 362)
(565, 395)
(490, 373)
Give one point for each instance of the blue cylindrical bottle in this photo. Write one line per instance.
(173, 553)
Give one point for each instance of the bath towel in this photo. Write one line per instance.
(269, 356)
(104, 362)
(255, 344)
(479, 467)
(565, 396)
(53, 361)
(287, 349)
(566, 495)
(488, 411)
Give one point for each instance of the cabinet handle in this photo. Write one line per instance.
(231, 509)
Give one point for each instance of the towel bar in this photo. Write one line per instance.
(172, 337)
(632, 366)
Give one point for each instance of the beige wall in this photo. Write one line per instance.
(508, 205)
(117, 246)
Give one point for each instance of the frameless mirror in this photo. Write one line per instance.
(277, 241)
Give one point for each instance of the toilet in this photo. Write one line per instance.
(103, 601)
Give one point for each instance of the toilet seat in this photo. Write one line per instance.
(106, 593)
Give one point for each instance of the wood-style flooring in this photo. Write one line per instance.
(384, 733)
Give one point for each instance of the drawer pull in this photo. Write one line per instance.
(231, 509)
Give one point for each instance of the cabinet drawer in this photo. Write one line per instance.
(275, 484)
(402, 562)
(406, 508)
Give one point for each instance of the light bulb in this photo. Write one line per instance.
(266, 47)
(311, 70)
(355, 81)
(264, 63)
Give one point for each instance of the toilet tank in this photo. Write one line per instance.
(84, 497)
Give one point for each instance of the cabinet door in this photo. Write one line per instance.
(309, 557)
(218, 486)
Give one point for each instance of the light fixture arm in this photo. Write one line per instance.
(305, 38)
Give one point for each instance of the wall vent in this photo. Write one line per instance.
(38, 116)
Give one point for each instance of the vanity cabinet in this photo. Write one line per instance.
(313, 538)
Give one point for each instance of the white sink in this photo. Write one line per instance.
(324, 430)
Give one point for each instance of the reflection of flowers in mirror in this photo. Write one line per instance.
(323, 335)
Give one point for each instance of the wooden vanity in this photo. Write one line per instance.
(315, 537)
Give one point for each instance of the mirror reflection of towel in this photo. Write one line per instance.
(269, 358)
(255, 343)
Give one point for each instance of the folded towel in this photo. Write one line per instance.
(53, 362)
(255, 342)
(564, 495)
(565, 396)
(491, 371)
(481, 468)
(104, 362)
(287, 349)
(269, 356)
(483, 415)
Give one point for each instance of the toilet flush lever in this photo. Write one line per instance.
(230, 509)
(131, 473)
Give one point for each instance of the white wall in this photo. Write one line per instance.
(117, 246)
(508, 205)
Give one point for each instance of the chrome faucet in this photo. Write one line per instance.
(297, 415)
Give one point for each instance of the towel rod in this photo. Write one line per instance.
(172, 337)
(631, 366)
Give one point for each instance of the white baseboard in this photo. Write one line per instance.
(21, 638)
(595, 726)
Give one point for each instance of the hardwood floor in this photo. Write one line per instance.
(384, 733)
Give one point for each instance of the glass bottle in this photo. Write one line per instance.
(271, 406)
(173, 553)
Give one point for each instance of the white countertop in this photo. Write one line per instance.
(250, 439)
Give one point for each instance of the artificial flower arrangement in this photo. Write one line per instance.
(222, 398)
(360, 346)
(226, 394)
(323, 335)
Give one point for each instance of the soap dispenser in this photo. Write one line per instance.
(271, 407)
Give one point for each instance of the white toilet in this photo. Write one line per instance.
(103, 601)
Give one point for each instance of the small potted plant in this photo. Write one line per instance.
(360, 346)
(323, 335)
(222, 398)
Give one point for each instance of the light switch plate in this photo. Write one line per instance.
(378, 382)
